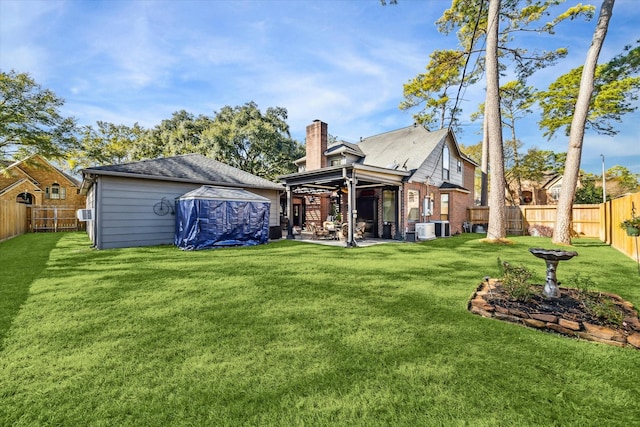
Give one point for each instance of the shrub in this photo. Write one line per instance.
(540, 230)
(594, 302)
(515, 281)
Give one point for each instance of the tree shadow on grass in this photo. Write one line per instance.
(24, 258)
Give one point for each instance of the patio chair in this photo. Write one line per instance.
(317, 232)
(331, 228)
(358, 233)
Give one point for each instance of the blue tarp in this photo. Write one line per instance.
(211, 217)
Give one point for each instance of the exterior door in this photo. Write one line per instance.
(368, 212)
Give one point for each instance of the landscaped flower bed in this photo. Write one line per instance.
(565, 315)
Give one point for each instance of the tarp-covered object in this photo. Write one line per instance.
(211, 217)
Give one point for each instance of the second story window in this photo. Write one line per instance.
(336, 162)
(55, 192)
(445, 163)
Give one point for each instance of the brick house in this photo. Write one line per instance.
(390, 182)
(36, 182)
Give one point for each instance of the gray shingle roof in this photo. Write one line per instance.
(406, 147)
(194, 168)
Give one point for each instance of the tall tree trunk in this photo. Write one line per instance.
(497, 228)
(484, 166)
(562, 229)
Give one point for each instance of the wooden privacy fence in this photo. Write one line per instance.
(54, 218)
(586, 218)
(614, 213)
(599, 221)
(13, 219)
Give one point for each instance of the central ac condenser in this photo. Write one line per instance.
(425, 231)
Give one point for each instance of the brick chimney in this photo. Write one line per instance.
(316, 145)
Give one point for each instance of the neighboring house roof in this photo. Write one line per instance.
(34, 161)
(21, 182)
(194, 168)
(551, 180)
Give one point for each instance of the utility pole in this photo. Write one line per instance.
(604, 182)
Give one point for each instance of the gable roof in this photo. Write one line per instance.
(404, 148)
(21, 182)
(32, 161)
(194, 168)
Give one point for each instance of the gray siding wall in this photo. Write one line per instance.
(432, 166)
(126, 216)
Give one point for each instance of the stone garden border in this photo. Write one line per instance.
(602, 334)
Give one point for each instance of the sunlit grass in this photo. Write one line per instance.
(296, 334)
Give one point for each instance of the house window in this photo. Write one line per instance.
(55, 192)
(413, 205)
(389, 206)
(444, 207)
(336, 162)
(445, 162)
(459, 163)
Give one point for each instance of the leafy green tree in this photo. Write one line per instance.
(615, 92)
(30, 119)
(471, 21)
(436, 89)
(620, 180)
(183, 133)
(105, 144)
(588, 193)
(253, 141)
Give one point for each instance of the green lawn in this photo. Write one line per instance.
(292, 334)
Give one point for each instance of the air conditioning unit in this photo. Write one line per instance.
(442, 228)
(85, 214)
(425, 231)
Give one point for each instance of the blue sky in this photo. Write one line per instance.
(343, 62)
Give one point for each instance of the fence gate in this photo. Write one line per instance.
(54, 218)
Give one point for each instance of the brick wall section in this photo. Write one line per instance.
(46, 176)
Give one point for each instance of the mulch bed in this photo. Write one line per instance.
(570, 305)
(567, 314)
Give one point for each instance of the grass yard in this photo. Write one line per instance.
(292, 334)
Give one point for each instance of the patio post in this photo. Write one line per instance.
(399, 219)
(290, 235)
(352, 209)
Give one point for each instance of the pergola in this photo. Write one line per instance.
(352, 176)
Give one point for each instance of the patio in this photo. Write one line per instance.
(307, 238)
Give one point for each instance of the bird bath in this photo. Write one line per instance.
(552, 257)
